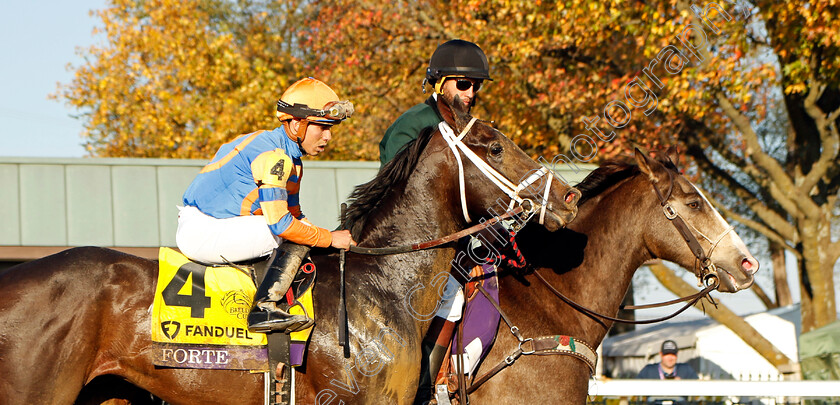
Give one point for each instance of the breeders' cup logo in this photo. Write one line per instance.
(170, 328)
(237, 303)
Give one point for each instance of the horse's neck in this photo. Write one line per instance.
(614, 250)
(613, 227)
(421, 211)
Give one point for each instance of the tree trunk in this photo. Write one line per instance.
(817, 272)
(726, 317)
(777, 257)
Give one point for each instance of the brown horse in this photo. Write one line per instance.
(620, 225)
(78, 321)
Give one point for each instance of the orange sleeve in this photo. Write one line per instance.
(301, 233)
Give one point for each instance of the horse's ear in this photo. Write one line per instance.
(647, 165)
(672, 155)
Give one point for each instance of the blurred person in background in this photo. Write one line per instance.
(668, 368)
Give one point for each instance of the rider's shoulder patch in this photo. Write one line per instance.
(272, 168)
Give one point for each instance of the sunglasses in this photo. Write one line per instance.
(464, 85)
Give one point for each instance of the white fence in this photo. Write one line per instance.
(769, 392)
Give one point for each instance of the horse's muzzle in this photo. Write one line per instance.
(567, 212)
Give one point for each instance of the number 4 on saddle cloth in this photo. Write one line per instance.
(199, 316)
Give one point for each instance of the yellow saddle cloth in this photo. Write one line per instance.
(199, 317)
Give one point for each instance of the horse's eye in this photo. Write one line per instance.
(496, 149)
(694, 205)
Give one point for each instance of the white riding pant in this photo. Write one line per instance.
(212, 240)
(452, 302)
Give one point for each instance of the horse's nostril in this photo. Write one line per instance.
(572, 196)
(749, 266)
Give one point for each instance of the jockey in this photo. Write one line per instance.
(457, 67)
(244, 204)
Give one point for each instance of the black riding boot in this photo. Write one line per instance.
(265, 315)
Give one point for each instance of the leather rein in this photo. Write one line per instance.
(445, 239)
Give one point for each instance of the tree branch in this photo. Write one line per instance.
(427, 20)
(768, 188)
(762, 295)
(774, 170)
(756, 226)
(827, 128)
(785, 230)
(834, 252)
(725, 316)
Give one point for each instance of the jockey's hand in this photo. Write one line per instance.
(342, 239)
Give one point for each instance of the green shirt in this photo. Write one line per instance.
(407, 128)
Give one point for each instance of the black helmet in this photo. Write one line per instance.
(458, 58)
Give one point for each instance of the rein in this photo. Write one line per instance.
(692, 299)
(442, 240)
(706, 273)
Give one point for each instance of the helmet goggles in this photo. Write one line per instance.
(333, 112)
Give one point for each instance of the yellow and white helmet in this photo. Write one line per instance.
(312, 100)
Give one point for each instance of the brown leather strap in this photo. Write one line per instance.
(657, 304)
(692, 299)
(463, 396)
(543, 346)
(507, 361)
(706, 266)
(437, 242)
(513, 328)
(343, 326)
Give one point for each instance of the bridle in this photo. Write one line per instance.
(522, 208)
(457, 146)
(706, 268)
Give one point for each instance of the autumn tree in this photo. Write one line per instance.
(179, 78)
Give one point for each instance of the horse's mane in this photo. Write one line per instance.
(610, 173)
(365, 198)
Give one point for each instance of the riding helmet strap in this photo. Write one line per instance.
(302, 128)
(304, 124)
